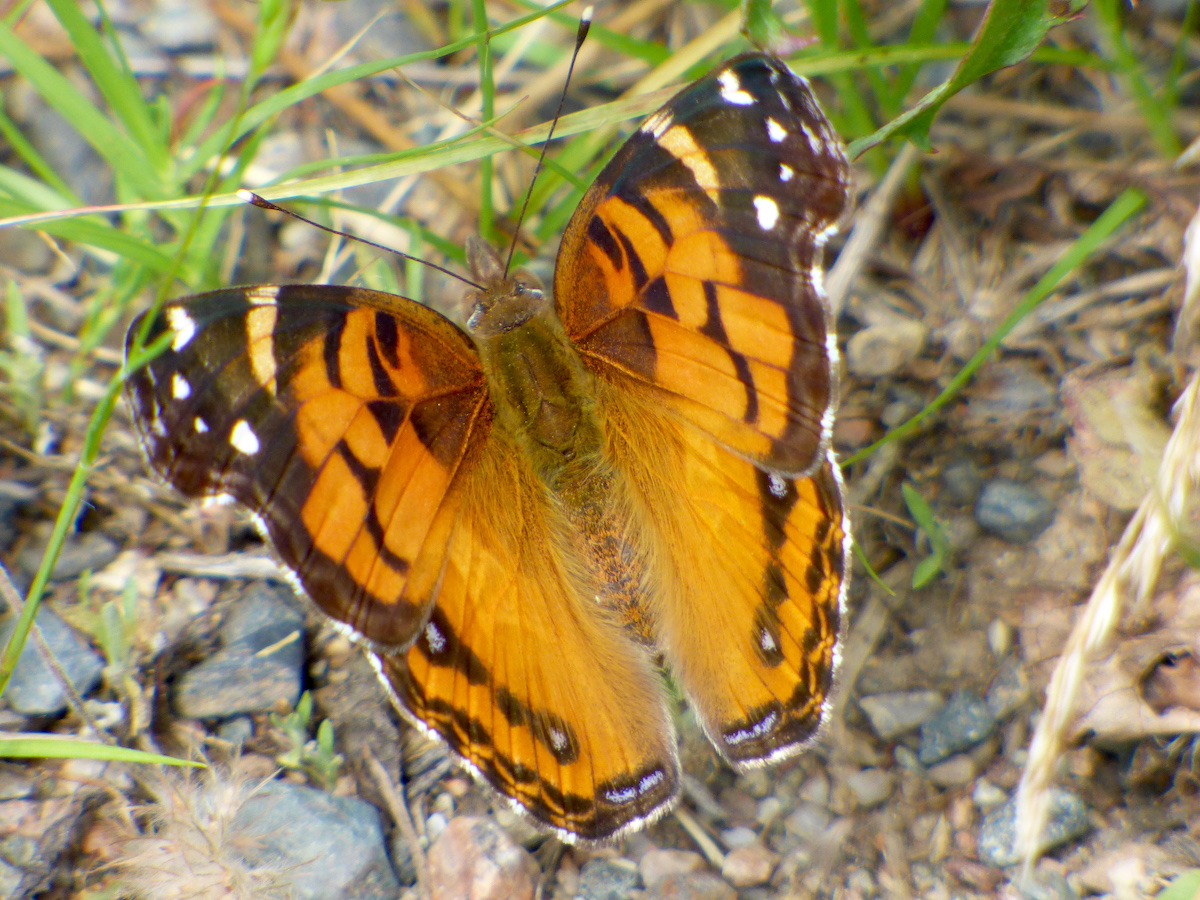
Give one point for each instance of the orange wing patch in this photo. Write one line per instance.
(340, 409)
(697, 273)
(527, 678)
(749, 624)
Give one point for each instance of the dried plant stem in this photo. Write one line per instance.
(1132, 572)
(403, 819)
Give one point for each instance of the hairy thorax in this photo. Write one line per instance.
(545, 400)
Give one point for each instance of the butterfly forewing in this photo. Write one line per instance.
(339, 416)
(693, 265)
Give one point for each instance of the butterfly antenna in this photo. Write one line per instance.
(585, 23)
(263, 203)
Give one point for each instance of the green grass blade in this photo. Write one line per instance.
(113, 145)
(58, 746)
(118, 87)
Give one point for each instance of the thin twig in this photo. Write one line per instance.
(403, 819)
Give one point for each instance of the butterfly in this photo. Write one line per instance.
(520, 515)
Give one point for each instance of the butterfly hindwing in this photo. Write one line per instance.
(750, 626)
(527, 678)
(693, 264)
(339, 416)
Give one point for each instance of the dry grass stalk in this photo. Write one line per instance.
(192, 846)
(1132, 572)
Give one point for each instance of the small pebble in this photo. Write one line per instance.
(606, 879)
(870, 787)
(1000, 637)
(956, 771)
(769, 809)
(692, 886)
(83, 551)
(475, 859)
(1008, 692)
(1044, 885)
(880, 350)
(894, 714)
(33, 689)
(815, 790)
(808, 821)
(237, 730)
(655, 865)
(987, 796)
(997, 832)
(740, 836)
(962, 723)
(1013, 511)
(749, 865)
(961, 481)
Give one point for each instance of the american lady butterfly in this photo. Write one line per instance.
(520, 514)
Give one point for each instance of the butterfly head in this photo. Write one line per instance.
(505, 300)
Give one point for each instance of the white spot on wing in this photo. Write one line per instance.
(786, 172)
(775, 131)
(731, 90)
(558, 740)
(180, 389)
(767, 211)
(777, 486)
(767, 642)
(758, 729)
(621, 796)
(200, 425)
(243, 438)
(650, 781)
(182, 324)
(435, 639)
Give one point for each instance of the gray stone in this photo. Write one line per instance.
(80, 552)
(265, 614)
(34, 689)
(884, 349)
(237, 730)
(1013, 511)
(870, 787)
(997, 831)
(961, 481)
(808, 821)
(959, 725)
(655, 865)
(234, 682)
(1044, 885)
(260, 664)
(692, 886)
(605, 879)
(328, 847)
(1008, 692)
(178, 26)
(893, 714)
